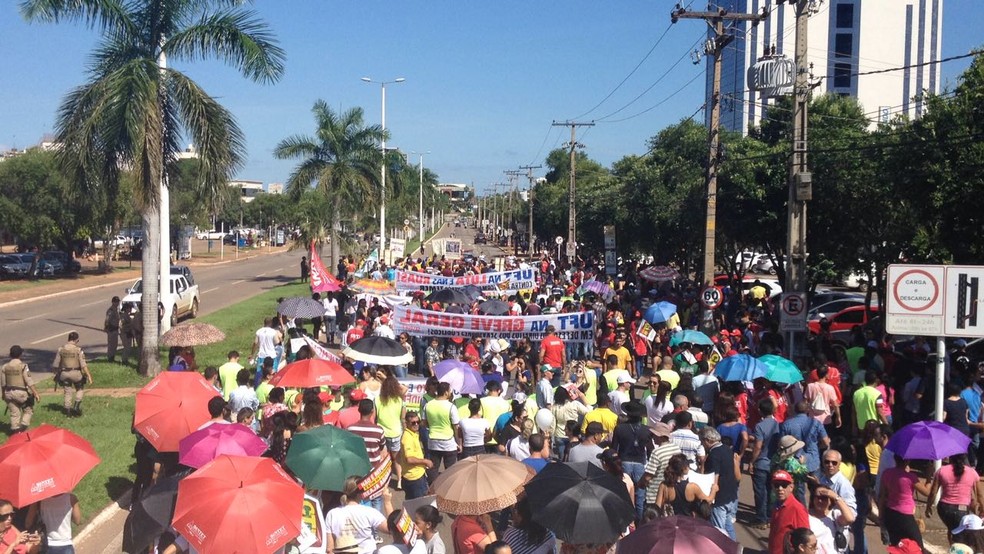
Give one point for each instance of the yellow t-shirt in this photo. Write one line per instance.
(623, 355)
(607, 418)
(873, 451)
(389, 416)
(414, 449)
(591, 394)
(492, 408)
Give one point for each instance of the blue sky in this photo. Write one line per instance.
(484, 80)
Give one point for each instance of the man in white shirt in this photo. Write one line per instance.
(331, 313)
(383, 329)
(265, 346)
(621, 395)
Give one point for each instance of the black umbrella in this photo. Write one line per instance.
(493, 307)
(151, 515)
(378, 350)
(580, 502)
(450, 296)
(300, 306)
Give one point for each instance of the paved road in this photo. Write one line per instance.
(41, 326)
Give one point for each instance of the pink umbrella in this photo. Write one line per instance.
(463, 378)
(659, 273)
(204, 445)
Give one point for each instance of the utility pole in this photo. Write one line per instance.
(513, 175)
(714, 47)
(800, 178)
(572, 210)
(529, 200)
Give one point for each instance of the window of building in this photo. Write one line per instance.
(845, 16)
(842, 75)
(843, 45)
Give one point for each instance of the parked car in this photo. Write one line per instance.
(763, 264)
(772, 286)
(830, 295)
(832, 307)
(15, 266)
(116, 241)
(181, 295)
(480, 238)
(209, 235)
(846, 319)
(54, 262)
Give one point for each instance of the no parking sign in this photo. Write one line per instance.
(793, 312)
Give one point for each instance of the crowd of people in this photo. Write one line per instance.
(636, 403)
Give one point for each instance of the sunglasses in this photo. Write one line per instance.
(413, 423)
(781, 485)
(831, 462)
(5, 517)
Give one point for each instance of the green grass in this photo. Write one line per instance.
(106, 425)
(114, 375)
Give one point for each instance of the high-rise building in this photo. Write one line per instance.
(847, 38)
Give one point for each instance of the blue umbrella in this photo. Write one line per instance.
(781, 370)
(691, 336)
(660, 312)
(741, 367)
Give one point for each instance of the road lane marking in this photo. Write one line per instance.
(92, 303)
(210, 290)
(46, 339)
(30, 318)
(237, 282)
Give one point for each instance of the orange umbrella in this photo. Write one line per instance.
(481, 484)
(239, 504)
(312, 372)
(171, 406)
(43, 462)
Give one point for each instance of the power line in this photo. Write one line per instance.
(658, 104)
(631, 73)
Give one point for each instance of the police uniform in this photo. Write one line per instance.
(15, 378)
(70, 372)
(132, 328)
(112, 327)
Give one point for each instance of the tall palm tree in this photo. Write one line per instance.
(133, 113)
(341, 160)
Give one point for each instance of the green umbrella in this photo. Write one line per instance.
(691, 336)
(325, 456)
(781, 370)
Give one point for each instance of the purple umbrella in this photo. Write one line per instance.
(599, 288)
(928, 440)
(204, 445)
(463, 378)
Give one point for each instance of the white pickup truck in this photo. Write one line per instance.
(182, 296)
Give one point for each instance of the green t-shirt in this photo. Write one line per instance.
(227, 375)
(263, 391)
(440, 422)
(866, 405)
(389, 417)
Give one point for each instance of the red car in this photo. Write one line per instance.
(846, 319)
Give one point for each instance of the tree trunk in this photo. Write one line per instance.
(336, 246)
(150, 363)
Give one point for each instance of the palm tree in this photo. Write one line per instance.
(342, 161)
(133, 113)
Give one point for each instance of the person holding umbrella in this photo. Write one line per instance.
(897, 503)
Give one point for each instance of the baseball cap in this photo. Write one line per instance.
(625, 378)
(872, 344)
(960, 343)
(782, 475)
(520, 397)
(905, 546)
(547, 367)
(594, 428)
(357, 395)
(969, 522)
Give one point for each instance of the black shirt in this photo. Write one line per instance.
(721, 460)
(630, 441)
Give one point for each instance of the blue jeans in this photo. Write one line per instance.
(760, 486)
(376, 503)
(723, 517)
(67, 549)
(857, 528)
(415, 488)
(635, 471)
(400, 371)
(559, 447)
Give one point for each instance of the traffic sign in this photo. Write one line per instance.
(792, 315)
(915, 299)
(963, 303)
(609, 237)
(559, 241)
(711, 297)
(571, 249)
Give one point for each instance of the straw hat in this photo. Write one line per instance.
(789, 445)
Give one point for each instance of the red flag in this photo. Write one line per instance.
(321, 279)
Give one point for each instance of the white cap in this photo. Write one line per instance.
(969, 522)
(625, 378)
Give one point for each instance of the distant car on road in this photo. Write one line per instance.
(480, 238)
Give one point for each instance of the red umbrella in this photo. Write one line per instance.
(239, 504)
(204, 445)
(43, 462)
(171, 406)
(312, 372)
(678, 535)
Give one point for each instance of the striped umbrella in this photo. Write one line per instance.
(659, 273)
(597, 287)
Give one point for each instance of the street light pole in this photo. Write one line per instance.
(420, 216)
(382, 171)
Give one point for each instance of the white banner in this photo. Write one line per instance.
(321, 351)
(572, 327)
(503, 281)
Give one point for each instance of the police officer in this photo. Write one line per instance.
(132, 329)
(72, 373)
(18, 390)
(112, 327)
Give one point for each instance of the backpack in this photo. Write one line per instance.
(819, 403)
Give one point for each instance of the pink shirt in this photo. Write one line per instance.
(829, 395)
(953, 490)
(888, 397)
(901, 486)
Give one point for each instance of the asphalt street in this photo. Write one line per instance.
(42, 325)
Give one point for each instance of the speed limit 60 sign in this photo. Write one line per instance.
(711, 297)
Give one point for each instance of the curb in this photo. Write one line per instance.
(117, 283)
(108, 513)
